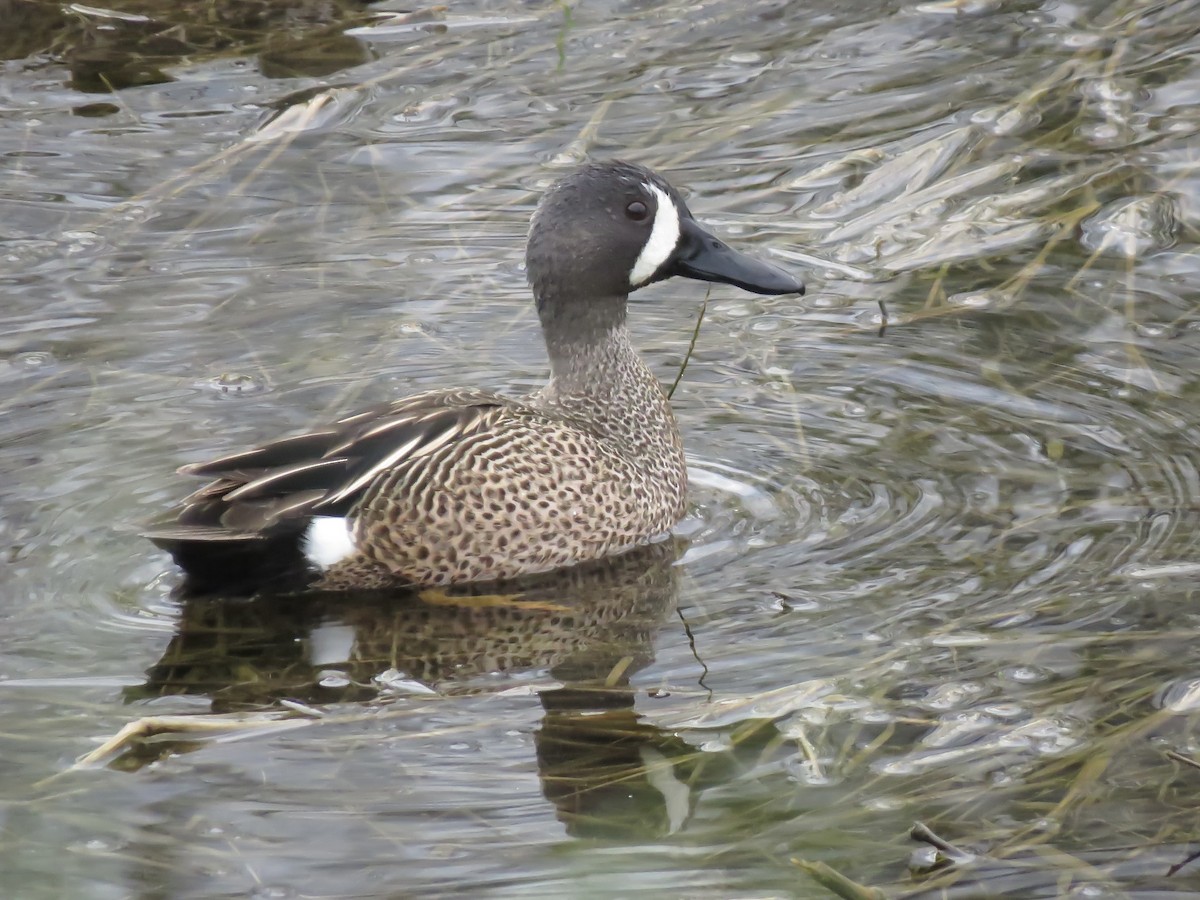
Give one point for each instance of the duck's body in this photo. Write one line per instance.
(459, 485)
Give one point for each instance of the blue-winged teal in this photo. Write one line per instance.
(462, 485)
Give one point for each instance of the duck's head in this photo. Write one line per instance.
(613, 227)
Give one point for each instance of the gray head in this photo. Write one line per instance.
(613, 227)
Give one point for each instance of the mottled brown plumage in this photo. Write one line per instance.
(458, 486)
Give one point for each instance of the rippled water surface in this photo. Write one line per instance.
(941, 560)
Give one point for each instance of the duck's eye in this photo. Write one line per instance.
(637, 210)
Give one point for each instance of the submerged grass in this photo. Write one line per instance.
(1034, 819)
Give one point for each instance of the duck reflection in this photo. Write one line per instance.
(609, 773)
(107, 50)
(590, 628)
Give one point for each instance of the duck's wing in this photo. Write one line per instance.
(274, 490)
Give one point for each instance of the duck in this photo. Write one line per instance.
(457, 485)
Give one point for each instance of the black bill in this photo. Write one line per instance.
(700, 255)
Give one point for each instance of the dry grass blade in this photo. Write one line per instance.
(836, 882)
(922, 832)
(691, 346)
(1180, 758)
(188, 726)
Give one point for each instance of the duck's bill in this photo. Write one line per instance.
(700, 255)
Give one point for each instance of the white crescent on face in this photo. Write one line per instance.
(664, 237)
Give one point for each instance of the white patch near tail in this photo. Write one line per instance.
(664, 237)
(330, 644)
(327, 541)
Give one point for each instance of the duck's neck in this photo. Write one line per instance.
(588, 344)
(593, 362)
(598, 379)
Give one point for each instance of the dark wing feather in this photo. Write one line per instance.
(272, 491)
(298, 449)
(382, 445)
(289, 479)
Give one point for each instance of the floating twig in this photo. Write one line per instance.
(835, 881)
(187, 726)
(1185, 760)
(1186, 861)
(923, 833)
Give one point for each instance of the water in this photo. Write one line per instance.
(938, 569)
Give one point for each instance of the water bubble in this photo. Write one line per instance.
(1155, 329)
(239, 383)
(1132, 226)
(410, 328)
(331, 678)
(951, 696)
(1004, 121)
(923, 859)
(1026, 674)
(1004, 710)
(1081, 40)
(79, 241)
(972, 300)
(133, 213)
(807, 772)
(33, 360)
(883, 804)
(1110, 90)
(746, 59)
(1107, 134)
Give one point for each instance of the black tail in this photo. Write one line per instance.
(273, 564)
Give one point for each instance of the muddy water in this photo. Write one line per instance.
(940, 563)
